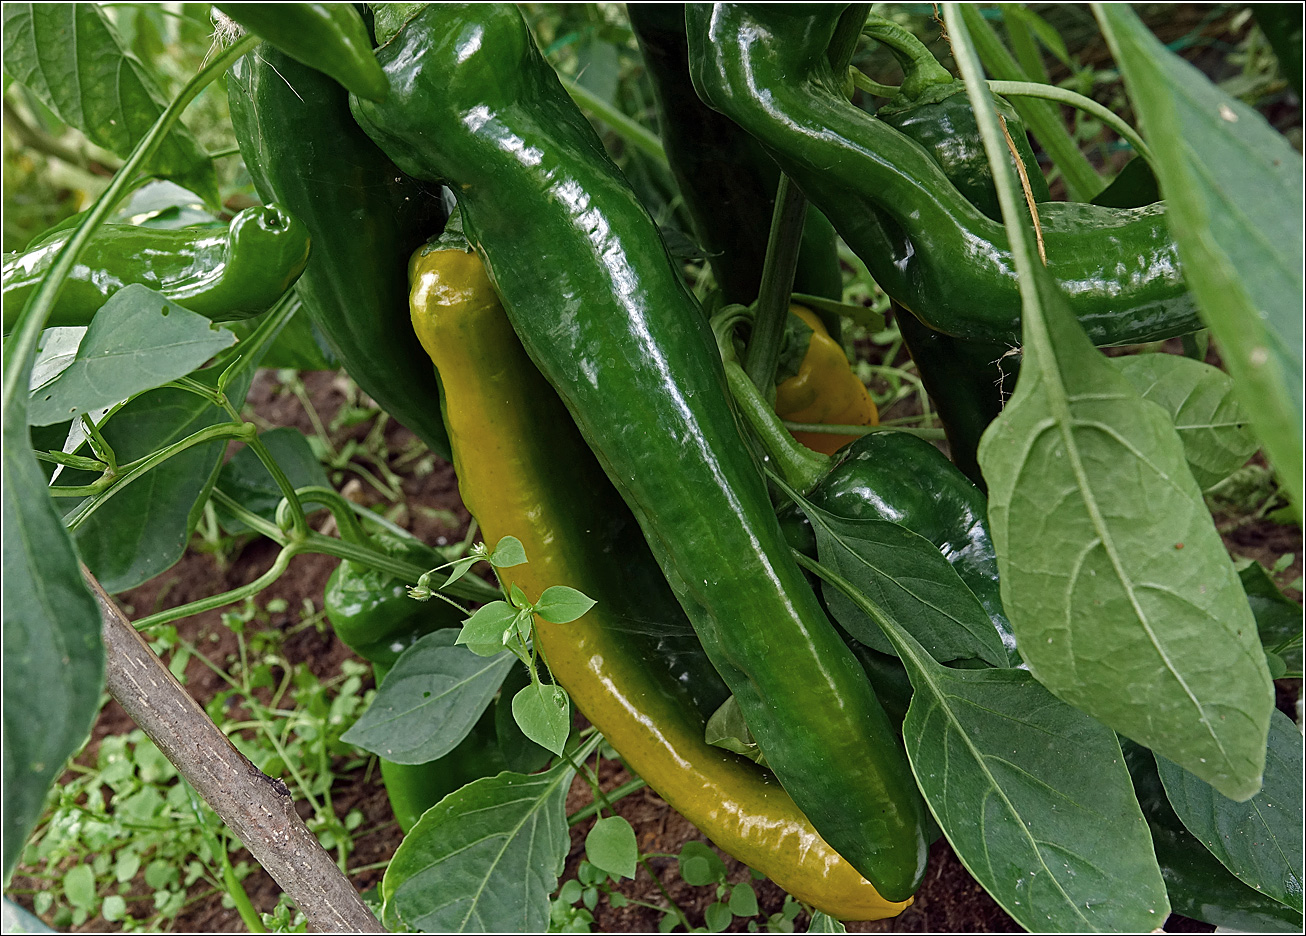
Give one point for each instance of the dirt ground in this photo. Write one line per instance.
(948, 901)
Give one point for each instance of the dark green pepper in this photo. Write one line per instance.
(600, 308)
(373, 615)
(222, 273)
(927, 246)
(330, 37)
(890, 476)
(726, 178)
(304, 150)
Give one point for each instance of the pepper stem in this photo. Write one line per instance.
(798, 465)
(781, 262)
(920, 69)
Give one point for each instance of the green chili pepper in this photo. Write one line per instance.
(598, 303)
(928, 247)
(304, 150)
(330, 37)
(222, 273)
(727, 180)
(373, 615)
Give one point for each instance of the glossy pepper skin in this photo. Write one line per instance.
(544, 486)
(223, 274)
(726, 178)
(330, 37)
(304, 150)
(594, 296)
(931, 250)
(372, 614)
(825, 390)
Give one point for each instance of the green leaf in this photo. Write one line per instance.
(54, 352)
(907, 576)
(144, 529)
(717, 917)
(430, 701)
(1259, 840)
(543, 712)
(484, 631)
(700, 865)
(79, 886)
(16, 919)
(390, 18)
(53, 657)
(520, 753)
(69, 55)
(460, 568)
(248, 480)
(508, 552)
(1133, 187)
(1199, 886)
(562, 605)
(610, 845)
(1233, 190)
(743, 901)
(1118, 587)
(1032, 794)
(824, 923)
(484, 859)
(138, 341)
(1278, 617)
(727, 729)
(1200, 400)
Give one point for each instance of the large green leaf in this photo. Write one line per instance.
(1122, 597)
(1200, 400)
(139, 340)
(1260, 840)
(484, 859)
(1233, 190)
(430, 701)
(1198, 885)
(907, 576)
(1032, 794)
(70, 56)
(53, 657)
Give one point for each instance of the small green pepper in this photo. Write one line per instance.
(330, 37)
(222, 273)
(373, 615)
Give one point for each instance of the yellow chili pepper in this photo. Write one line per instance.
(825, 390)
(523, 470)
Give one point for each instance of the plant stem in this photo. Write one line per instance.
(799, 465)
(350, 529)
(228, 597)
(920, 69)
(135, 469)
(1079, 102)
(616, 793)
(763, 353)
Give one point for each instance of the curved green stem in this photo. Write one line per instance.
(468, 587)
(135, 469)
(228, 597)
(1079, 102)
(860, 80)
(799, 465)
(20, 349)
(920, 69)
(350, 529)
(616, 793)
(248, 517)
(289, 497)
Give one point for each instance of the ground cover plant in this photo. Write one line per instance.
(695, 545)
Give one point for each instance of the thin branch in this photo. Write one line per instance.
(256, 807)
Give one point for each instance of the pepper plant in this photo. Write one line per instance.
(824, 655)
